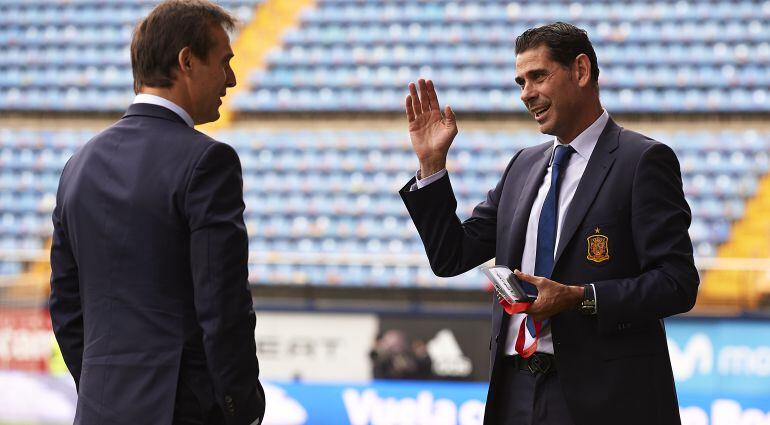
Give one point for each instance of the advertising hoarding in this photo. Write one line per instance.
(315, 346)
(26, 339)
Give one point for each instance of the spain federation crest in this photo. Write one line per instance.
(598, 247)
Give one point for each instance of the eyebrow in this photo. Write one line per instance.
(531, 74)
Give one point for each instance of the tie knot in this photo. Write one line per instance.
(562, 154)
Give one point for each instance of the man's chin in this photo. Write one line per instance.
(545, 128)
(211, 118)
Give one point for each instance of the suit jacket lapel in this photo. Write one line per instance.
(596, 170)
(524, 206)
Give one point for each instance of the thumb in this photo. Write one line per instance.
(527, 277)
(449, 115)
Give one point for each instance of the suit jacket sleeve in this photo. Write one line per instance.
(219, 256)
(64, 302)
(660, 218)
(453, 247)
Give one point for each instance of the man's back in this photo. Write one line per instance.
(152, 213)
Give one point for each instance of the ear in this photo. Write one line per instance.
(184, 61)
(582, 70)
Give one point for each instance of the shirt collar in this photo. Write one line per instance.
(585, 142)
(162, 101)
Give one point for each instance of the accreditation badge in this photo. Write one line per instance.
(598, 247)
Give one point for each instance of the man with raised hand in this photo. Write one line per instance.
(594, 222)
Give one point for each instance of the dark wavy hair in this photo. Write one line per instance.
(564, 41)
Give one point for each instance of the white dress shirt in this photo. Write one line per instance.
(162, 101)
(584, 145)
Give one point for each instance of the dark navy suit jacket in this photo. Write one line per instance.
(614, 367)
(149, 285)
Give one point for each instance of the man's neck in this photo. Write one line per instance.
(175, 94)
(589, 117)
(166, 93)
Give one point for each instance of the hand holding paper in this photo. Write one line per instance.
(552, 297)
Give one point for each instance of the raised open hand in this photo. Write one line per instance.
(430, 131)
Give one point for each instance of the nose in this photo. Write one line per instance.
(528, 94)
(230, 82)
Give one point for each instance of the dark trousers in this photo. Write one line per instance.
(526, 398)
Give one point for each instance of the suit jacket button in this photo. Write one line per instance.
(229, 406)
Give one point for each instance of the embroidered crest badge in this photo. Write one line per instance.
(598, 247)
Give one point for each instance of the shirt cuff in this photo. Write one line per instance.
(420, 183)
(596, 303)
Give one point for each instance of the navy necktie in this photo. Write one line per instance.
(546, 228)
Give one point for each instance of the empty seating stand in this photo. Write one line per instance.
(322, 207)
(73, 55)
(353, 55)
(661, 56)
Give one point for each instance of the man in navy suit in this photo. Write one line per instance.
(149, 293)
(593, 221)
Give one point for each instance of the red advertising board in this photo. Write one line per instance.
(26, 339)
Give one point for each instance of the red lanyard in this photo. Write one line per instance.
(519, 346)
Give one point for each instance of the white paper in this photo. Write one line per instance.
(507, 289)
